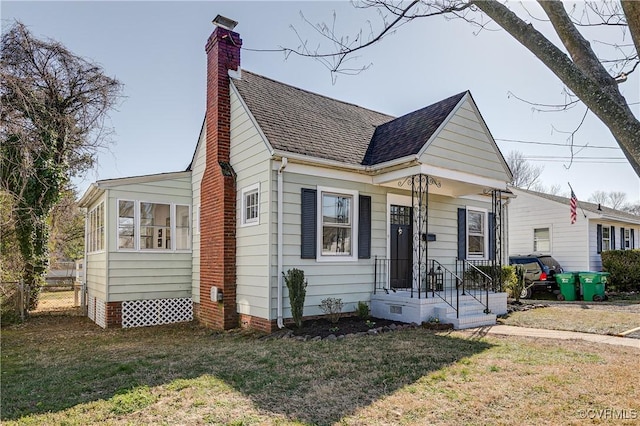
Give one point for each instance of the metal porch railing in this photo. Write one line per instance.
(397, 275)
(476, 281)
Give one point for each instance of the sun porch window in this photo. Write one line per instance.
(149, 226)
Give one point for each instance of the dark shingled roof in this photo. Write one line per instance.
(302, 122)
(406, 135)
(590, 207)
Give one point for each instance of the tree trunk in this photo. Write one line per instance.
(604, 101)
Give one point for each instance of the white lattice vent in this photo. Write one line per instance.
(142, 313)
(91, 308)
(101, 313)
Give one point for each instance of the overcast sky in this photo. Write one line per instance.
(156, 49)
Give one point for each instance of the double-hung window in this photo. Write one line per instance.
(626, 242)
(476, 233)
(606, 238)
(541, 240)
(151, 226)
(337, 224)
(251, 205)
(95, 233)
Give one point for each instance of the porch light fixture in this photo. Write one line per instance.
(224, 22)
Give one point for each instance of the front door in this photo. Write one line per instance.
(401, 247)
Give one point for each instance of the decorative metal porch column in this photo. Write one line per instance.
(497, 228)
(420, 206)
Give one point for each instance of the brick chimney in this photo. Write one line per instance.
(218, 188)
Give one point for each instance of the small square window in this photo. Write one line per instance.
(251, 205)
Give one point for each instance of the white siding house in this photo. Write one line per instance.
(540, 223)
(395, 212)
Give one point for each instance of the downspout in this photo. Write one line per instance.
(280, 238)
(84, 292)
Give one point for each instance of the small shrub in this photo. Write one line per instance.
(297, 291)
(9, 303)
(624, 267)
(519, 282)
(363, 310)
(370, 323)
(332, 307)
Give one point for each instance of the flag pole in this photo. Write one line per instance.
(578, 202)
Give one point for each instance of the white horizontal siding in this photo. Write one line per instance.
(353, 281)
(464, 145)
(96, 265)
(569, 244)
(143, 275)
(197, 171)
(251, 162)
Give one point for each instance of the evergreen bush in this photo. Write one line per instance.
(624, 267)
(297, 286)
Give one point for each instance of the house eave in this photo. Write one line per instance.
(618, 219)
(108, 183)
(90, 195)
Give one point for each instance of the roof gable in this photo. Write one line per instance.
(406, 135)
(464, 143)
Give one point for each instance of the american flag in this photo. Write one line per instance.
(573, 204)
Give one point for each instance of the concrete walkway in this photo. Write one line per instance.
(509, 330)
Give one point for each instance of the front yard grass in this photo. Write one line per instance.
(65, 370)
(605, 319)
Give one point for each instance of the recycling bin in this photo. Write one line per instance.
(568, 283)
(593, 285)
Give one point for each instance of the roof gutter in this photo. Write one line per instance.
(321, 161)
(340, 165)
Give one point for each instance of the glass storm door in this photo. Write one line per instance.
(401, 247)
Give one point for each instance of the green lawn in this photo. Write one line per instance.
(65, 370)
(605, 319)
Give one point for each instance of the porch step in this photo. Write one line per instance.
(470, 321)
(466, 308)
(471, 315)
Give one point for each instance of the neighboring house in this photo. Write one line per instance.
(540, 223)
(389, 211)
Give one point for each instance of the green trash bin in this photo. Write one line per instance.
(567, 281)
(593, 284)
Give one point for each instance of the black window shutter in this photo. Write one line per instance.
(364, 227)
(633, 237)
(621, 238)
(492, 236)
(613, 238)
(309, 219)
(462, 234)
(599, 238)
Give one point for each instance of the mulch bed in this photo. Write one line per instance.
(347, 327)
